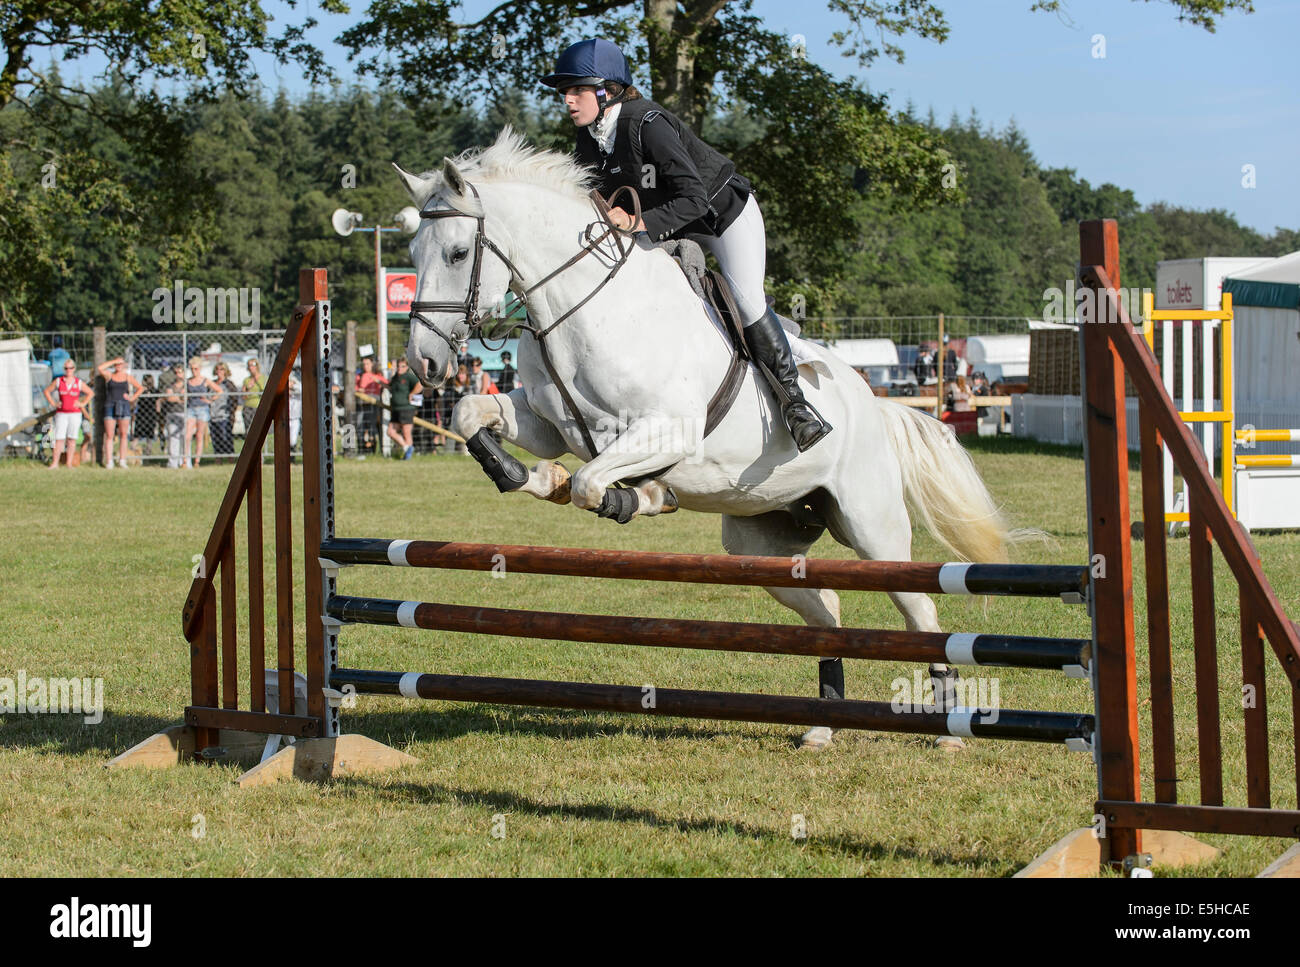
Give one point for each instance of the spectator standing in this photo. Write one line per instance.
(924, 367)
(426, 441)
(200, 393)
(508, 376)
(223, 412)
(402, 409)
(453, 393)
(123, 390)
(949, 362)
(171, 412)
(463, 358)
(371, 382)
(73, 394)
(251, 391)
(480, 383)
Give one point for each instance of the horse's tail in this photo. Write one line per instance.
(942, 487)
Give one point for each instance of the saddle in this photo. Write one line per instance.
(710, 286)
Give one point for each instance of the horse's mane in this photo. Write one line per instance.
(512, 159)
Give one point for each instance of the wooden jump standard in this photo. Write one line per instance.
(283, 702)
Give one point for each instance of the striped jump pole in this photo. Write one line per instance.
(1024, 580)
(1268, 460)
(1069, 728)
(1018, 651)
(1268, 436)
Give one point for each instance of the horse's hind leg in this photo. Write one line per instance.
(884, 533)
(778, 535)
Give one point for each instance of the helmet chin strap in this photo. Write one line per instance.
(603, 101)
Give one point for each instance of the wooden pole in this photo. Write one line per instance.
(1020, 580)
(836, 713)
(1106, 459)
(317, 497)
(99, 403)
(350, 379)
(1003, 651)
(419, 421)
(939, 358)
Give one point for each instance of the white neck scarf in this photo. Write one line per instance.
(604, 129)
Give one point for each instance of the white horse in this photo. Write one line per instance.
(641, 360)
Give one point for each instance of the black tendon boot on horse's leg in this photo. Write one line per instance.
(506, 472)
(769, 346)
(830, 684)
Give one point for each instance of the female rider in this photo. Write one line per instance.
(695, 192)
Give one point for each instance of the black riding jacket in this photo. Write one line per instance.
(690, 190)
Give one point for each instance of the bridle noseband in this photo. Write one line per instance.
(473, 318)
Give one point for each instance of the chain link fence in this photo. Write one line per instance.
(191, 394)
(186, 396)
(903, 355)
(194, 392)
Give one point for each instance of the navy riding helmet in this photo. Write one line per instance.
(590, 62)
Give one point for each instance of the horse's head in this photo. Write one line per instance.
(457, 277)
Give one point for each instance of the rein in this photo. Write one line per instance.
(474, 317)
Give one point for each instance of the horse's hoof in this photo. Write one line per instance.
(558, 476)
(670, 501)
(818, 737)
(949, 743)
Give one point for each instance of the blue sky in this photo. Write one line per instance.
(1171, 112)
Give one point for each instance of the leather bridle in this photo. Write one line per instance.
(473, 318)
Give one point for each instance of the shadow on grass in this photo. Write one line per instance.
(509, 802)
(576, 725)
(68, 734)
(556, 723)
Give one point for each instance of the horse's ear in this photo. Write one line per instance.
(452, 176)
(420, 189)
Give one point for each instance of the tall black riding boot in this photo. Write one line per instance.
(769, 346)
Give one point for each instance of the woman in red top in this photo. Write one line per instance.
(73, 395)
(371, 382)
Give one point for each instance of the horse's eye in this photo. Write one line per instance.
(460, 255)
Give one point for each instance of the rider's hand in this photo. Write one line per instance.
(623, 220)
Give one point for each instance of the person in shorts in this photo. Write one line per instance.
(123, 390)
(200, 393)
(73, 393)
(402, 408)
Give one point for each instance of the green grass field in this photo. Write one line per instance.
(94, 568)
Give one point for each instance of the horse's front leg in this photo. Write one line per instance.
(647, 446)
(475, 417)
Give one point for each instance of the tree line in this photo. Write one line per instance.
(96, 217)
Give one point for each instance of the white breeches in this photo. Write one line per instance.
(741, 252)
